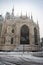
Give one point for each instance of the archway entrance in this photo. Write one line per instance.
(24, 38)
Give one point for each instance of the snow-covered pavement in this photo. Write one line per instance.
(19, 58)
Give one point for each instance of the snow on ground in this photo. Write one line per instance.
(26, 56)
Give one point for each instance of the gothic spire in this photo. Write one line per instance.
(13, 10)
(37, 23)
(12, 15)
(31, 16)
(21, 13)
(26, 14)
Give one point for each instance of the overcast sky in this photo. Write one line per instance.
(31, 6)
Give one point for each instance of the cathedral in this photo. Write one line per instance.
(19, 33)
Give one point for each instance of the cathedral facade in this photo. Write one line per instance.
(19, 33)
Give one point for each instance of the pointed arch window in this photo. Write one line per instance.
(24, 39)
(11, 40)
(12, 30)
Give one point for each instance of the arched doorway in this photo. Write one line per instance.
(24, 37)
